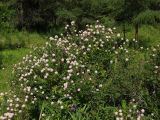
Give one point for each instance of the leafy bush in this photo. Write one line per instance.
(84, 75)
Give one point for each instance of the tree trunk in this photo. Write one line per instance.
(20, 14)
(124, 31)
(136, 32)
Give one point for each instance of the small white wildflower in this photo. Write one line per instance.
(121, 114)
(17, 105)
(65, 85)
(56, 72)
(118, 35)
(32, 102)
(1, 94)
(88, 70)
(120, 110)
(47, 98)
(141, 47)
(156, 67)
(97, 89)
(126, 59)
(53, 60)
(142, 110)
(116, 52)
(100, 85)
(127, 40)
(78, 89)
(134, 106)
(117, 118)
(20, 111)
(62, 107)
(23, 106)
(116, 113)
(111, 62)
(73, 22)
(51, 38)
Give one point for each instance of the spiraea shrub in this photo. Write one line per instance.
(85, 75)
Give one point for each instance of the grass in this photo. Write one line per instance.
(13, 40)
(14, 46)
(148, 34)
(10, 57)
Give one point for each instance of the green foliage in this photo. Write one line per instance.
(108, 21)
(148, 17)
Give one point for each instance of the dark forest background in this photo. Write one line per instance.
(52, 15)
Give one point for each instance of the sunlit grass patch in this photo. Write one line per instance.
(21, 39)
(149, 35)
(10, 57)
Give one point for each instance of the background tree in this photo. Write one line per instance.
(150, 15)
(7, 14)
(51, 15)
(36, 14)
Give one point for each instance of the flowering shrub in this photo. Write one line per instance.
(76, 73)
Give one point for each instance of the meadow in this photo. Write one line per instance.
(80, 59)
